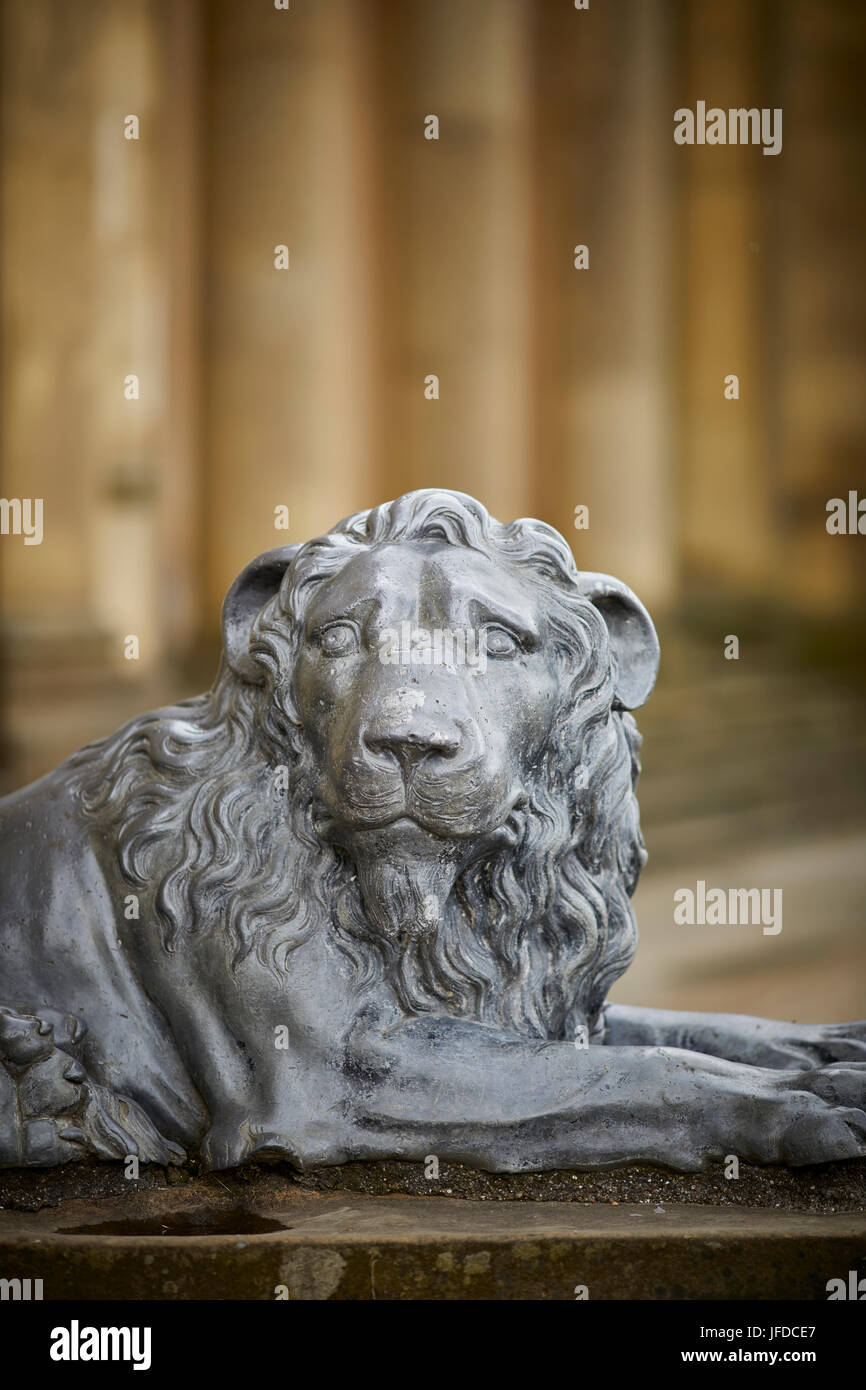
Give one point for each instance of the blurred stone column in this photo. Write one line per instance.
(727, 530)
(46, 307)
(182, 39)
(456, 225)
(100, 286)
(127, 336)
(820, 330)
(603, 179)
(291, 356)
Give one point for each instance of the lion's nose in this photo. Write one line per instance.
(411, 747)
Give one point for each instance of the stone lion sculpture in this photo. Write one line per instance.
(367, 897)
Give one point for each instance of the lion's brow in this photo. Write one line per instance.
(333, 612)
(495, 611)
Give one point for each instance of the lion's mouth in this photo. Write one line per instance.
(503, 823)
(506, 829)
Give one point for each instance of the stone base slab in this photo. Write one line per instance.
(266, 1236)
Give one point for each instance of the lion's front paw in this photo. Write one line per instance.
(842, 1083)
(838, 1042)
(793, 1046)
(51, 1112)
(826, 1118)
(41, 1090)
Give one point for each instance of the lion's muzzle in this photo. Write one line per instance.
(413, 758)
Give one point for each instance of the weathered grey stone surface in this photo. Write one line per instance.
(365, 899)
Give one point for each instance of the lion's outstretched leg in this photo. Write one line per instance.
(759, 1042)
(51, 1111)
(466, 1092)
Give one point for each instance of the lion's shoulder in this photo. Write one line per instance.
(49, 804)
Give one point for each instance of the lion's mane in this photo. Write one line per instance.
(220, 789)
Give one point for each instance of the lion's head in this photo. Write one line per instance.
(418, 740)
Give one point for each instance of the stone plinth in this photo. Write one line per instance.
(354, 1233)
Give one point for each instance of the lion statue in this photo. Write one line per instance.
(366, 898)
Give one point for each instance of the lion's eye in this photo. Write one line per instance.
(499, 642)
(340, 639)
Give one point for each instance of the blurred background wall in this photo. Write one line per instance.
(303, 388)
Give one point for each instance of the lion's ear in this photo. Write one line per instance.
(634, 644)
(249, 593)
